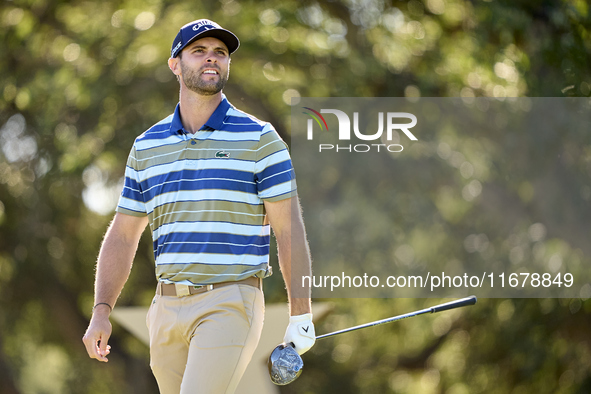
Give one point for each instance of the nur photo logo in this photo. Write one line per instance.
(388, 122)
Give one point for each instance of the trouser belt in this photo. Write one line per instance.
(178, 290)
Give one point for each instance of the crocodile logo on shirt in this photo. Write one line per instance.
(222, 154)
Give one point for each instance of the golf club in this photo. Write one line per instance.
(285, 364)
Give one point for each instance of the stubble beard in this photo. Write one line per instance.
(193, 81)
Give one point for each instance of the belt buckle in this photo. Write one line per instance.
(200, 287)
(181, 290)
(185, 290)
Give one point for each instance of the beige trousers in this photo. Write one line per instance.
(202, 343)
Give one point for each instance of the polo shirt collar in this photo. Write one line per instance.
(215, 121)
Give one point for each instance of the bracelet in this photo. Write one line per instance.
(103, 303)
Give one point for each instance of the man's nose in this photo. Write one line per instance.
(211, 58)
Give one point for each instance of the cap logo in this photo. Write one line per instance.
(177, 47)
(201, 24)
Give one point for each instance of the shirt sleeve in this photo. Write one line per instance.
(274, 172)
(132, 201)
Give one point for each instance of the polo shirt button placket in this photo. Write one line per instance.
(191, 163)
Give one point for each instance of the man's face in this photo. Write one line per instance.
(205, 66)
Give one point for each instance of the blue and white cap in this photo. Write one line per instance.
(203, 28)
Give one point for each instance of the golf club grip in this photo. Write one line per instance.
(454, 304)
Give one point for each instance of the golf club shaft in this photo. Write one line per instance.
(437, 308)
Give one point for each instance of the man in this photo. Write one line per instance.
(208, 180)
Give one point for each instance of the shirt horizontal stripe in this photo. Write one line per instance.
(148, 171)
(198, 185)
(148, 141)
(210, 227)
(207, 258)
(217, 238)
(278, 190)
(192, 211)
(279, 197)
(201, 274)
(132, 205)
(120, 209)
(274, 169)
(273, 182)
(199, 195)
(212, 215)
(211, 248)
(199, 145)
(189, 174)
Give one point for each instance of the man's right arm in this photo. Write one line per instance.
(112, 270)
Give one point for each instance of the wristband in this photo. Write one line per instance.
(103, 303)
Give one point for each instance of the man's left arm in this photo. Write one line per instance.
(295, 263)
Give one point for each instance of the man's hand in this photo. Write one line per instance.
(300, 332)
(98, 333)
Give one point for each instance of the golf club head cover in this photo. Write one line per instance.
(300, 332)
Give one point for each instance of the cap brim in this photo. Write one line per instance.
(224, 36)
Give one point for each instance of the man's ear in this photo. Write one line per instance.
(174, 65)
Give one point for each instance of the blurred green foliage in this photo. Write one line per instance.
(81, 79)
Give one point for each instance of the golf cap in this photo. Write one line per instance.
(203, 28)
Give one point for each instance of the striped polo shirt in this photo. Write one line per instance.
(204, 192)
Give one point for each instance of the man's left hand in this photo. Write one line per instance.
(300, 332)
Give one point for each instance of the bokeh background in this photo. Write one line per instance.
(81, 79)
